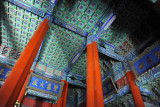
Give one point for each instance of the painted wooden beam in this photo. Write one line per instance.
(109, 20)
(105, 43)
(70, 27)
(110, 53)
(77, 55)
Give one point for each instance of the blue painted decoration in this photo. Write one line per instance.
(42, 95)
(75, 79)
(75, 58)
(4, 72)
(148, 60)
(126, 65)
(10, 61)
(70, 27)
(151, 75)
(109, 20)
(146, 91)
(37, 56)
(107, 44)
(110, 53)
(108, 87)
(80, 50)
(6, 60)
(64, 76)
(33, 67)
(44, 85)
(50, 10)
(120, 92)
(77, 55)
(76, 82)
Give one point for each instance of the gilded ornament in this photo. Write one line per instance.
(55, 87)
(42, 85)
(157, 54)
(141, 65)
(35, 82)
(2, 72)
(7, 74)
(49, 86)
(149, 60)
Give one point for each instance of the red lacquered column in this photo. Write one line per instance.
(134, 90)
(14, 83)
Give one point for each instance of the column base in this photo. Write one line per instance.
(17, 104)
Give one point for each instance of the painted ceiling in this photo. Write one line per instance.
(61, 44)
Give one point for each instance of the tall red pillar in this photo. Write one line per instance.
(94, 82)
(13, 84)
(90, 77)
(23, 90)
(62, 100)
(135, 90)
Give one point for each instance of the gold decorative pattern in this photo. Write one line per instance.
(17, 104)
(157, 54)
(49, 86)
(2, 72)
(6, 66)
(149, 60)
(55, 88)
(35, 82)
(7, 74)
(141, 65)
(42, 84)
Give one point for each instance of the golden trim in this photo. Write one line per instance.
(17, 104)
(25, 93)
(6, 66)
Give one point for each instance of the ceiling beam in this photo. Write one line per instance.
(110, 53)
(70, 27)
(109, 20)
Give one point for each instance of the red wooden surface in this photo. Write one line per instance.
(13, 84)
(62, 100)
(35, 103)
(94, 81)
(23, 90)
(134, 89)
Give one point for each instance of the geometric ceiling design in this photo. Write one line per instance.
(59, 47)
(61, 44)
(133, 25)
(82, 14)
